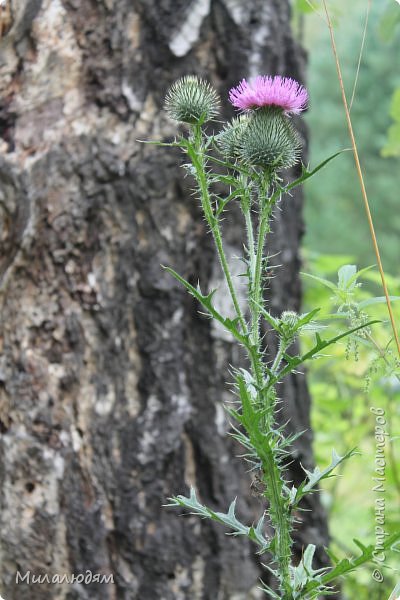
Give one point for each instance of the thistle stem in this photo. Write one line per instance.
(246, 209)
(257, 292)
(278, 511)
(253, 350)
(196, 153)
(278, 359)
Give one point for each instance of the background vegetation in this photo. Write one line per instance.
(344, 386)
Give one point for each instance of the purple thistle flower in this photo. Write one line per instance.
(264, 90)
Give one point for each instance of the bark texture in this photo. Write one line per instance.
(111, 383)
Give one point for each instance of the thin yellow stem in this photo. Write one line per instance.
(361, 179)
(361, 54)
(316, 11)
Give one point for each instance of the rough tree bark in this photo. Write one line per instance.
(111, 382)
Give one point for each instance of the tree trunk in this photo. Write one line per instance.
(112, 383)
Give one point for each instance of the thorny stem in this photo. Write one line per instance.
(253, 350)
(246, 209)
(278, 359)
(257, 288)
(197, 156)
(280, 517)
(279, 512)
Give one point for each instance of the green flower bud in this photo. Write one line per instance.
(270, 140)
(229, 139)
(289, 325)
(192, 100)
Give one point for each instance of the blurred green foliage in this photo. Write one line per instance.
(344, 390)
(334, 211)
(351, 380)
(392, 146)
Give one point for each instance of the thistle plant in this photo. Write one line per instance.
(246, 158)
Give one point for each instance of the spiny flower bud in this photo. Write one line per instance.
(270, 140)
(289, 318)
(192, 100)
(229, 139)
(289, 325)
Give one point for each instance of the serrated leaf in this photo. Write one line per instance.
(314, 477)
(181, 144)
(307, 317)
(306, 174)
(222, 203)
(248, 413)
(269, 591)
(333, 557)
(270, 319)
(228, 519)
(347, 565)
(206, 301)
(294, 361)
(304, 570)
(360, 545)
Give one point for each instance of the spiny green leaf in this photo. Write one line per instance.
(182, 143)
(270, 319)
(222, 203)
(305, 572)
(232, 166)
(191, 503)
(206, 301)
(307, 317)
(360, 545)
(314, 477)
(249, 415)
(228, 519)
(321, 344)
(346, 565)
(333, 557)
(269, 591)
(306, 174)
